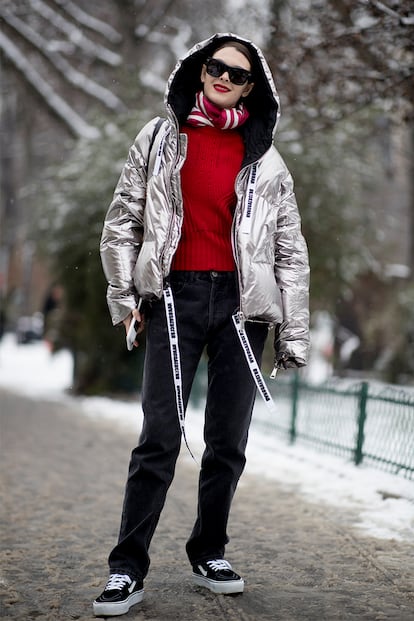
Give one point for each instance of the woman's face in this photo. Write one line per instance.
(221, 91)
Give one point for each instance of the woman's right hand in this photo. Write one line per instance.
(138, 316)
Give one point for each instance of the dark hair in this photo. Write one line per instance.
(240, 47)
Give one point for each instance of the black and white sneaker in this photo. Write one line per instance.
(120, 593)
(218, 576)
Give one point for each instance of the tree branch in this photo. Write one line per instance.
(75, 35)
(76, 124)
(89, 21)
(71, 75)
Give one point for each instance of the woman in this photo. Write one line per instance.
(203, 229)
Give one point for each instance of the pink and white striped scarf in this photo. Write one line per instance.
(205, 112)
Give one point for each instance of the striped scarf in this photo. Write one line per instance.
(207, 113)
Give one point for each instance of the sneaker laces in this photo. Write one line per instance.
(219, 564)
(117, 581)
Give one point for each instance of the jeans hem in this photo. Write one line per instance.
(208, 557)
(126, 572)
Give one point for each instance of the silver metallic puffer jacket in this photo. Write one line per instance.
(143, 224)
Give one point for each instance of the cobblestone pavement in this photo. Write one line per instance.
(62, 479)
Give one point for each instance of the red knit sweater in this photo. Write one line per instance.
(214, 157)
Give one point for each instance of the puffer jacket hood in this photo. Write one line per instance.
(262, 103)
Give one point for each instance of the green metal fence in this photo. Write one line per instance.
(366, 422)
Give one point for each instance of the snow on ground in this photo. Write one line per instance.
(383, 504)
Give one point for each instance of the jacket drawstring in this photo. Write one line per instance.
(175, 360)
(252, 362)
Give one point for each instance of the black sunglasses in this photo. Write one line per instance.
(216, 68)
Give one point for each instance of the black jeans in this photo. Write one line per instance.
(204, 303)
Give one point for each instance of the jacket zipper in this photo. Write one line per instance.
(168, 238)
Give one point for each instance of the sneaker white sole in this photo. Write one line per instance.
(226, 587)
(113, 609)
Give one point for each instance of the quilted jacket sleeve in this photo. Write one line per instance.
(123, 228)
(292, 276)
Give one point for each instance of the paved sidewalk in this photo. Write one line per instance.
(62, 486)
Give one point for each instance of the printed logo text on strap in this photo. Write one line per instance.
(251, 361)
(175, 360)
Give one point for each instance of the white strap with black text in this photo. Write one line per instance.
(251, 361)
(245, 224)
(175, 360)
(158, 157)
(245, 228)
